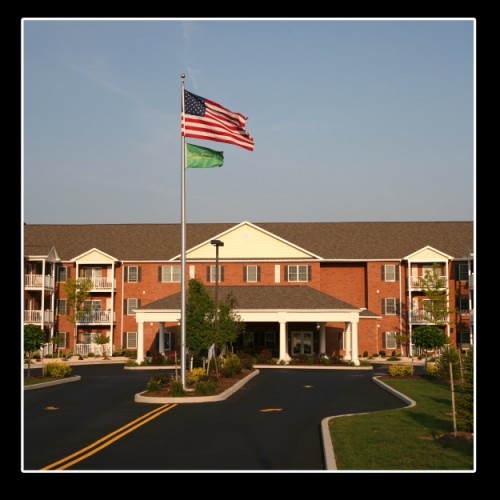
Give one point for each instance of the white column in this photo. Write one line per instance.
(348, 348)
(283, 352)
(140, 342)
(322, 339)
(161, 340)
(354, 344)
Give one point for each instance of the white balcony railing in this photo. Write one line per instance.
(423, 316)
(38, 281)
(420, 281)
(101, 283)
(96, 317)
(96, 349)
(37, 316)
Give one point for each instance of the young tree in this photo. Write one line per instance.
(202, 331)
(200, 314)
(77, 291)
(429, 337)
(34, 337)
(436, 308)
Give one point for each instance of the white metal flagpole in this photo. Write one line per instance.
(183, 243)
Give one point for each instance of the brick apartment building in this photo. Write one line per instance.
(345, 288)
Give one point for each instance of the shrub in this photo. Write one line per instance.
(265, 357)
(196, 375)
(247, 360)
(157, 382)
(431, 369)
(176, 389)
(57, 369)
(232, 364)
(206, 387)
(397, 370)
(365, 354)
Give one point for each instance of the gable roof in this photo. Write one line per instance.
(328, 240)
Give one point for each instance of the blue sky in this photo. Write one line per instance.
(353, 120)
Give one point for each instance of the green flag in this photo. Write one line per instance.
(199, 157)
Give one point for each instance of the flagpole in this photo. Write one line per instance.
(183, 243)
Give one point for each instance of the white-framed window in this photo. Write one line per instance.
(252, 274)
(390, 340)
(133, 274)
(170, 274)
(92, 272)
(390, 306)
(248, 340)
(62, 273)
(390, 272)
(462, 305)
(167, 341)
(130, 340)
(131, 305)
(62, 307)
(269, 340)
(462, 272)
(212, 277)
(62, 340)
(92, 305)
(298, 273)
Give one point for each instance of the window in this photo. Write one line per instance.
(298, 273)
(92, 305)
(248, 340)
(211, 276)
(130, 340)
(133, 274)
(131, 305)
(62, 307)
(251, 274)
(62, 340)
(464, 338)
(389, 306)
(91, 272)
(462, 272)
(269, 340)
(390, 340)
(462, 305)
(170, 274)
(390, 272)
(62, 273)
(167, 342)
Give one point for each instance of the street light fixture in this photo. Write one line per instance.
(216, 244)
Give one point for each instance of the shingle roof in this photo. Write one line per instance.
(264, 297)
(329, 240)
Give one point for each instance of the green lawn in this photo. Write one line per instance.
(419, 438)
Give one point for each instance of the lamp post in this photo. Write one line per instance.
(216, 244)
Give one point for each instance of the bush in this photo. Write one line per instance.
(206, 387)
(397, 370)
(176, 389)
(196, 375)
(431, 369)
(157, 382)
(57, 369)
(231, 365)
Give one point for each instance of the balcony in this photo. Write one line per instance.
(96, 317)
(421, 282)
(38, 282)
(423, 316)
(101, 283)
(39, 317)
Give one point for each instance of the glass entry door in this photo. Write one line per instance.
(302, 343)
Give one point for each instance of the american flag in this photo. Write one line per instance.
(206, 119)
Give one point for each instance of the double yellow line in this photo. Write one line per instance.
(105, 441)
